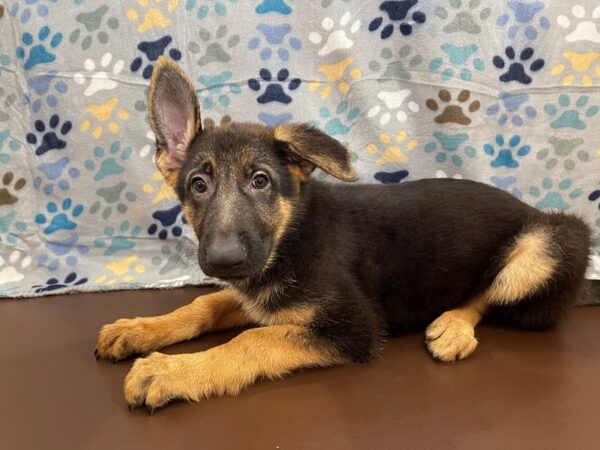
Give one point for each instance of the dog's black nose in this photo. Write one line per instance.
(225, 252)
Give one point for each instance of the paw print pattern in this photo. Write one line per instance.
(516, 71)
(152, 50)
(106, 164)
(121, 271)
(391, 177)
(10, 186)
(103, 115)
(450, 146)
(217, 50)
(585, 30)
(393, 149)
(550, 197)
(594, 196)
(458, 58)
(92, 24)
(40, 53)
(12, 146)
(453, 113)
(152, 14)
(57, 174)
(274, 41)
(397, 66)
(177, 257)
(504, 153)
(507, 184)
(159, 188)
(113, 197)
(45, 87)
(465, 16)
(393, 106)
(273, 6)
(565, 151)
(570, 117)
(102, 80)
(335, 75)
(524, 19)
(220, 8)
(338, 38)
(7, 100)
(54, 284)
(218, 89)
(398, 12)
(117, 240)
(274, 91)
(582, 68)
(30, 9)
(56, 220)
(513, 107)
(46, 139)
(13, 269)
(336, 122)
(167, 222)
(63, 251)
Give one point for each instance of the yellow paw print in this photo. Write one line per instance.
(121, 271)
(334, 73)
(580, 67)
(152, 17)
(163, 192)
(103, 113)
(392, 152)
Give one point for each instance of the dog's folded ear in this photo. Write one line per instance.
(174, 116)
(313, 148)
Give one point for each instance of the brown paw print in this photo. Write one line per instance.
(1, 11)
(453, 113)
(6, 198)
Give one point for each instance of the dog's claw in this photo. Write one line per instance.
(131, 407)
(150, 410)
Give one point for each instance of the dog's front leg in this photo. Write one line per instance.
(269, 352)
(143, 335)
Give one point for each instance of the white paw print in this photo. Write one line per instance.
(337, 39)
(11, 270)
(392, 101)
(99, 81)
(585, 30)
(442, 174)
(145, 150)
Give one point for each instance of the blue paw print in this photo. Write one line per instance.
(516, 71)
(271, 120)
(336, 123)
(107, 164)
(7, 223)
(504, 155)
(391, 177)
(12, 145)
(42, 85)
(38, 54)
(54, 284)
(114, 243)
(218, 88)
(450, 145)
(594, 196)
(274, 36)
(31, 6)
(49, 139)
(550, 198)
(276, 6)
(59, 220)
(570, 117)
(524, 14)
(167, 220)
(220, 7)
(398, 12)
(54, 175)
(152, 50)
(67, 249)
(458, 57)
(509, 106)
(274, 90)
(506, 184)
(113, 197)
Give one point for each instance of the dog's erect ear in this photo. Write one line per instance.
(314, 147)
(174, 115)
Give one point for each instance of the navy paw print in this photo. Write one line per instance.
(167, 219)
(274, 91)
(397, 11)
(152, 50)
(53, 284)
(516, 71)
(49, 139)
(391, 177)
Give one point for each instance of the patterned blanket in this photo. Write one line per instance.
(504, 92)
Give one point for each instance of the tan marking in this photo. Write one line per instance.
(270, 352)
(452, 335)
(212, 312)
(298, 174)
(529, 266)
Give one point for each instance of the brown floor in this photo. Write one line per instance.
(520, 390)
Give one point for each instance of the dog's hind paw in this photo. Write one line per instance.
(450, 337)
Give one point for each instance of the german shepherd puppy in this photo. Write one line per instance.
(328, 271)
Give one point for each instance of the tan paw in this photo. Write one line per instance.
(450, 337)
(126, 337)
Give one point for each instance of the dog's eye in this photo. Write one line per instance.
(199, 184)
(260, 181)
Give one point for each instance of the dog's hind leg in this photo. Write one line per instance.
(142, 335)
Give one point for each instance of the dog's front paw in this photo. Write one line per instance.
(450, 337)
(126, 337)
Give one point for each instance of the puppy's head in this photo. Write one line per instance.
(239, 183)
